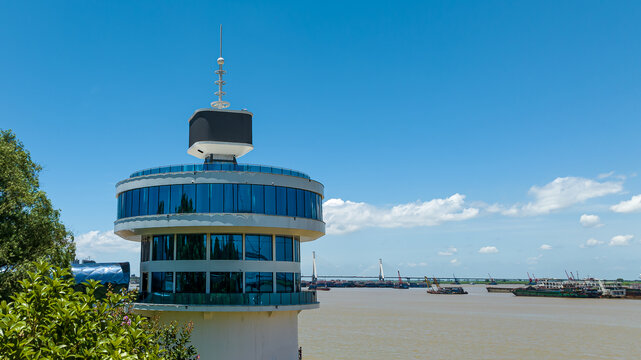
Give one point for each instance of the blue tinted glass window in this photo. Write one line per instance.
(145, 249)
(144, 201)
(176, 168)
(313, 206)
(244, 198)
(308, 204)
(216, 198)
(259, 282)
(175, 198)
(251, 282)
(127, 203)
(252, 247)
(190, 282)
(266, 282)
(163, 200)
(188, 199)
(135, 202)
(291, 202)
(226, 282)
(202, 198)
(284, 248)
(188, 167)
(153, 201)
(230, 198)
(163, 247)
(284, 282)
(297, 282)
(119, 207)
(164, 169)
(162, 282)
(300, 203)
(226, 247)
(258, 247)
(320, 207)
(266, 247)
(281, 200)
(258, 199)
(153, 171)
(270, 200)
(191, 247)
(297, 249)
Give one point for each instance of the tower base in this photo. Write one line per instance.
(264, 335)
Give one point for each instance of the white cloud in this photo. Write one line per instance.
(488, 250)
(620, 240)
(105, 246)
(454, 262)
(632, 205)
(561, 193)
(534, 259)
(346, 216)
(591, 243)
(605, 175)
(590, 221)
(421, 264)
(545, 247)
(449, 252)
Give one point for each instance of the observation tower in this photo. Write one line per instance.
(220, 241)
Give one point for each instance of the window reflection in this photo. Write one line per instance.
(259, 282)
(258, 247)
(219, 198)
(296, 249)
(188, 199)
(191, 247)
(145, 249)
(258, 199)
(284, 282)
(284, 248)
(144, 282)
(226, 247)
(190, 282)
(226, 282)
(162, 282)
(163, 200)
(163, 247)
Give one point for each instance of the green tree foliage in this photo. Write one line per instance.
(48, 319)
(30, 228)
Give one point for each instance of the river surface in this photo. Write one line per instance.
(410, 324)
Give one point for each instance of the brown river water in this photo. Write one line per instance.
(382, 324)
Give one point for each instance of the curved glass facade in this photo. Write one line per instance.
(250, 247)
(219, 167)
(220, 198)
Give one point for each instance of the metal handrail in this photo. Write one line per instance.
(219, 167)
(249, 299)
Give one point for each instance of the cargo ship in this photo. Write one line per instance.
(449, 290)
(496, 289)
(569, 292)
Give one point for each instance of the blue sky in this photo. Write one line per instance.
(438, 128)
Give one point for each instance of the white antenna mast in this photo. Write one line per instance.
(220, 104)
(381, 275)
(314, 277)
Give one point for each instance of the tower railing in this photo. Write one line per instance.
(250, 299)
(219, 167)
